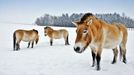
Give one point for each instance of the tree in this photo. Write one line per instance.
(66, 20)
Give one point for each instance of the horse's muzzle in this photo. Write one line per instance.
(45, 34)
(77, 49)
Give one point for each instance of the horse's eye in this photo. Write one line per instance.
(85, 31)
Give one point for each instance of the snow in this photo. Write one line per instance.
(58, 59)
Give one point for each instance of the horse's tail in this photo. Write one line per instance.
(14, 41)
(37, 39)
(123, 43)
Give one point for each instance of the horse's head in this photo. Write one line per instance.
(47, 30)
(84, 33)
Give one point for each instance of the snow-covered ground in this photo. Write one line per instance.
(58, 59)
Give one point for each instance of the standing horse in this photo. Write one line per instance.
(99, 34)
(56, 34)
(25, 35)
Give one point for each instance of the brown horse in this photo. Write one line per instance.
(25, 35)
(56, 34)
(99, 34)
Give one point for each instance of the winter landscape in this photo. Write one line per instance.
(58, 59)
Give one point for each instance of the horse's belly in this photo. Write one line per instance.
(110, 44)
(26, 39)
(57, 36)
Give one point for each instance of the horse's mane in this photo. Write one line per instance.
(35, 31)
(88, 15)
(48, 28)
(85, 17)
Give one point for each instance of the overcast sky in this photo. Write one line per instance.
(26, 11)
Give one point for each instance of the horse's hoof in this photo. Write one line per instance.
(93, 65)
(113, 62)
(16, 50)
(124, 61)
(98, 68)
(67, 44)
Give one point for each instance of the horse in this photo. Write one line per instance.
(56, 34)
(29, 36)
(98, 34)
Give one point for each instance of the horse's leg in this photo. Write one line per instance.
(15, 47)
(115, 52)
(123, 52)
(32, 44)
(28, 44)
(98, 58)
(18, 45)
(93, 57)
(66, 40)
(51, 42)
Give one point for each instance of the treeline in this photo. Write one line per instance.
(66, 21)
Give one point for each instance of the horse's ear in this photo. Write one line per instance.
(75, 23)
(89, 22)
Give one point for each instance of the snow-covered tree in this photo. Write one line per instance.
(66, 20)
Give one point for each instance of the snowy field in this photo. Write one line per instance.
(58, 59)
